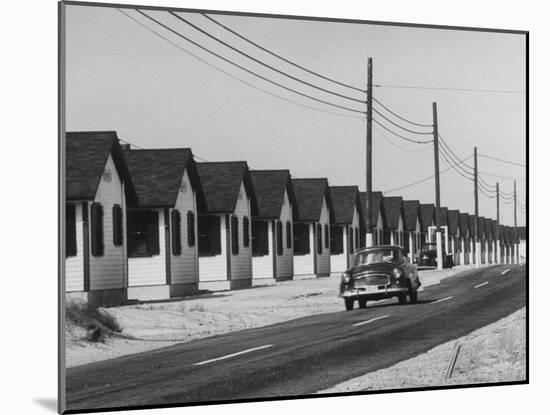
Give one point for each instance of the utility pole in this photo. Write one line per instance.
(437, 196)
(515, 244)
(476, 233)
(497, 236)
(369, 239)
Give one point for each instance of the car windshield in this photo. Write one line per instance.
(377, 256)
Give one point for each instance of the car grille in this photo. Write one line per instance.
(372, 279)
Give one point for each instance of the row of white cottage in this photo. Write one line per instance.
(154, 224)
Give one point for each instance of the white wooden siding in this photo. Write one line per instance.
(241, 264)
(284, 265)
(107, 271)
(323, 260)
(184, 267)
(214, 268)
(74, 265)
(338, 261)
(303, 264)
(263, 265)
(150, 270)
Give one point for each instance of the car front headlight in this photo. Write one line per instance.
(397, 273)
(346, 277)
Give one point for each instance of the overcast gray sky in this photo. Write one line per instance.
(122, 77)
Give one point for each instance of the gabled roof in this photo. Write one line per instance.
(221, 183)
(480, 227)
(392, 208)
(522, 233)
(427, 213)
(158, 174)
(410, 214)
(376, 199)
(472, 224)
(453, 221)
(494, 228)
(86, 153)
(464, 223)
(269, 187)
(345, 199)
(443, 211)
(488, 228)
(501, 233)
(507, 234)
(309, 195)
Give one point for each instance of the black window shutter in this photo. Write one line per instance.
(279, 238)
(176, 232)
(357, 238)
(117, 225)
(235, 235)
(70, 230)
(97, 229)
(288, 234)
(319, 239)
(190, 228)
(153, 233)
(351, 239)
(327, 238)
(246, 232)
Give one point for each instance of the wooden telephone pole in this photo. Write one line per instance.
(369, 239)
(477, 248)
(439, 246)
(515, 244)
(497, 236)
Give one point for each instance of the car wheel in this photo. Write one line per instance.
(413, 296)
(402, 299)
(349, 303)
(362, 302)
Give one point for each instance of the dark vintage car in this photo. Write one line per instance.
(428, 257)
(379, 272)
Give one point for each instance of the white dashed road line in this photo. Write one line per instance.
(505, 271)
(482, 284)
(234, 354)
(442, 299)
(370, 321)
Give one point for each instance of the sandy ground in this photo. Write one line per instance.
(150, 326)
(495, 353)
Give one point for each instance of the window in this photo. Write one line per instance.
(350, 230)
(336, 240)
(288, 234)
(235, 235)
(209, 236)
(143, 233)
(246, 232)
(176, 232)
(97, 229)
(190, 228)
(327, 237)
(319, 239)
(117, 225)
(279, 238)
(301, 239)
(260, 238)
(70, 230)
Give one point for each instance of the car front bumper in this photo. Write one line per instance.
(374, 294)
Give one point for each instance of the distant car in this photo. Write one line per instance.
(379, 272)
(428, 257)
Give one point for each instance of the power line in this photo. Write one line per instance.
(245, 69)
(502, 177)
(398, 146)
(502, 161)
(453, 166)
(131, 144)
(282, 58)
(399, 126)
(399, 116)
(503, 91)
(399, 135)
(457, 162)
(235, 77)
(452, 153)
(217, 39)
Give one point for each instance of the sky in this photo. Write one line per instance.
(123, 77)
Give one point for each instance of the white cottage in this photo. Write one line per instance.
(224, 225)
(272, 244)
(98, 186)
(376, 216)
(162, 227)
(392, 213)
(464, 239)
(411, 228)
(427, 220)
(311, 228)
(454, 234)
(346, 229)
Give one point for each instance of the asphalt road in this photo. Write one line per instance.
(301, 356)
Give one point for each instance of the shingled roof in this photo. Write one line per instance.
(86, 153)
(376, 199)
(309, 194)
(443, 211)
(221, 183)
(269, 187)
(392, 207)
(427, 213)
(522, 232)
(481, 227)
(488, 228)
(158, 174)
(494, 228)
(464, 223)
(344, 200)
(453, 221)
(410, 214)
